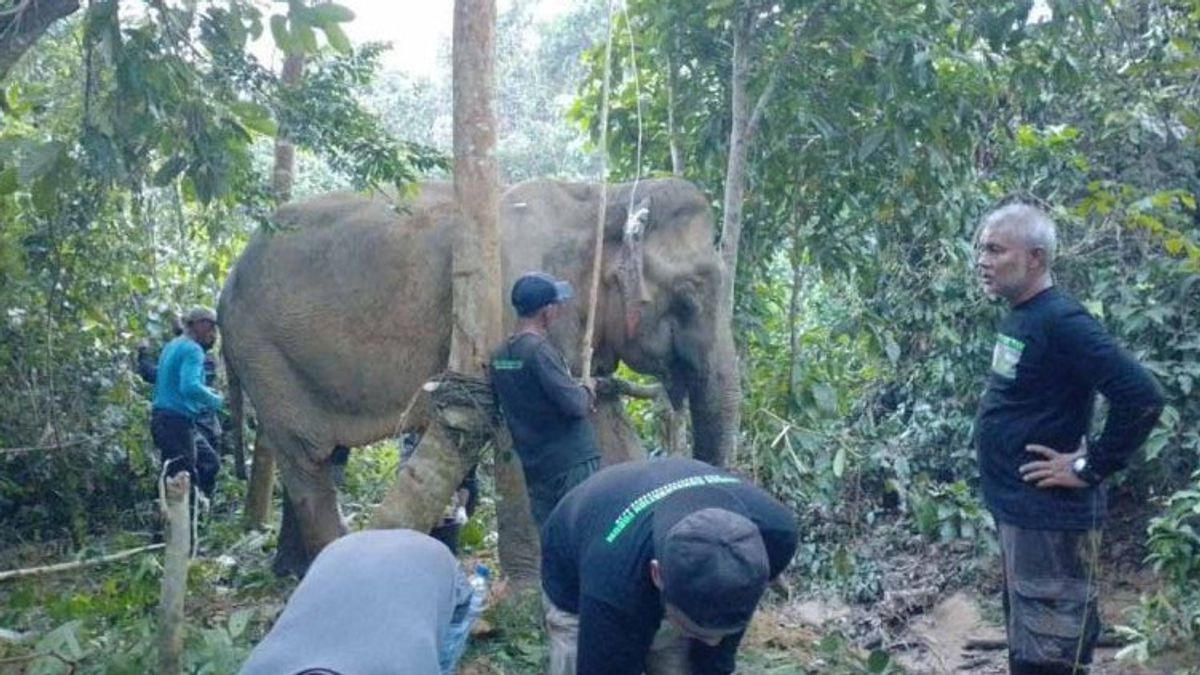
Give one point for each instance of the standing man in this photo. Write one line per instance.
(1041, 479)
(658, 566)
(181, 398)
(545, 408)
(208, 423)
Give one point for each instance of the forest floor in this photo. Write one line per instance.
(926, 602)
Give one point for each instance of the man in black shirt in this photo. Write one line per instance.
(1041, 479)
(545, 408)
(640, 542)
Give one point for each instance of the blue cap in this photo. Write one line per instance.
(535, 290)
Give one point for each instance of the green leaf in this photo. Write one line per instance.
(871, 144)
(839, 461)
(279, 31)
(308, 37)
(826, 397)
(337, 38)
(9, 181)
(892, 349)
(168, 171)
(329, 14)
(255, 117)
(878, 661)
(238, 622)
(40, 161)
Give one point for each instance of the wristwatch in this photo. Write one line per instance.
(1084, 471)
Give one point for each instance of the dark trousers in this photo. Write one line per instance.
(183, 449)
(1050, 599)
(545, 493)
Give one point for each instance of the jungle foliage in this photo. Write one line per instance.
(135, 153)
(888, 129)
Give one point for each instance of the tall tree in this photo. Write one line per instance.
(447, 450)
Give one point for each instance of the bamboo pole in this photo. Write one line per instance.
(585, 370)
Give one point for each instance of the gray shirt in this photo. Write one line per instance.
(377, 602)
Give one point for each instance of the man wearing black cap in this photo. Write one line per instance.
(545, 408)
(658, 566)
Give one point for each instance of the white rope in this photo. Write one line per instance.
(589, 330)
(637, 88)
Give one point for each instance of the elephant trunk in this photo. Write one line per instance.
(714, 396)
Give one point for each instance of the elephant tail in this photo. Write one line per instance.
(237, 415)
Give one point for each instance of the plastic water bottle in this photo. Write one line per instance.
(456, 638)
(481, 580)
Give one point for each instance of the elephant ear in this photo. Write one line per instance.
(630, 266)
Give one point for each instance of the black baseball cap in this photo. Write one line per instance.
(714, 568)
(535, 290)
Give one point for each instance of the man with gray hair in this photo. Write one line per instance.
(1041, 479)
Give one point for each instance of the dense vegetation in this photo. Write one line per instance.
(135, 161)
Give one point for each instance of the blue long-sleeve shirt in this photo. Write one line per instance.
(179, 384)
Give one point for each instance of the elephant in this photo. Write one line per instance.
(335, 318)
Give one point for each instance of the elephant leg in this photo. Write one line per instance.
(339, 459)
(291, 559)
(311, 497)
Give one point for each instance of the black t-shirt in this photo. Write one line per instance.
(598, 543)
(1051, 357)
(545, 408)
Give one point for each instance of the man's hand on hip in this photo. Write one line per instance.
(1055, 470)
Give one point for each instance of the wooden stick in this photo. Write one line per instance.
(77, 564)
(988, 644)
(589, 331)
(52, 446)
(175, 569)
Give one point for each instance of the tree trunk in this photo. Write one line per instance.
(672, 128)
(262, 482)
(285, 153)
(261, 490)
(21, 27)
(735, 168)
(519, 545)
(793, 315)
(171, 625)
(450, 445)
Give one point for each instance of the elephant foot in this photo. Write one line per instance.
(291, 558)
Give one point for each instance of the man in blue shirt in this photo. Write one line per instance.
(181, 397)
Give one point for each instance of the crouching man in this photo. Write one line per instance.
(373, 602)
(658, 566)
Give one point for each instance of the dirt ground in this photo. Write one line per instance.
(960, 633)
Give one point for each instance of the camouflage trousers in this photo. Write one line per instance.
(1051, 599)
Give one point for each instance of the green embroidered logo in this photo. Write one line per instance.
(642, 503)
(508, 364)
(1006, 355)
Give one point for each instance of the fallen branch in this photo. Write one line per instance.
(78, 564)
(979, 644)
(52, 446)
